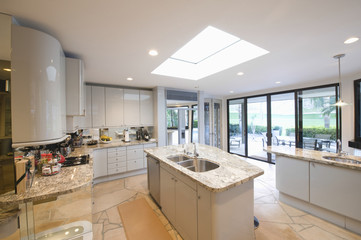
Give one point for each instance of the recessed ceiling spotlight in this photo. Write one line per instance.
(130, 79)
(351, 40)
(7, 69)
(153, 52)
(278, 82)
(231, 91)
(240, 73)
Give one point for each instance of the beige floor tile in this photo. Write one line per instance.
(82, 206)
(108, 187)
(271, 213)
(96, 217)
(291, 211)
(300, 220)
(266, 199)
(112, 199)
(276, 231)
(297, 227)
(331, 228)
(137, 183)
(98, 231)
(115, 234)
(113, 215)
(110, 226)
(316, 233)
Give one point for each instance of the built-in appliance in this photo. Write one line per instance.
(154, 179)
(74, 161)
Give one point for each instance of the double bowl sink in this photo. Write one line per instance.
(194, 164)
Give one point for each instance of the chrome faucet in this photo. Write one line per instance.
(195, 154)
(339, 148)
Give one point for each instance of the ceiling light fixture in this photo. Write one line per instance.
(7, 69)
(351, 40)
(210, 52)
(153, 52)
(278, 82)
(130, 79)
(231, 91)
(240, 73)
(340, 102)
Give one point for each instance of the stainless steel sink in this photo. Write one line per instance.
(341, 159)
(199, 165)
(178, 158)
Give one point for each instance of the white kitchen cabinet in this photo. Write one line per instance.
(135, 157)
(167, 194)
(113, 107)
(98, 106)
(292, 177)
(117, 160)
(38, 104)
(100, 163)
(86, 121)
(179, 203)
(131, 107)
(204, 213)
(336, 188)
(75, 93)
(146, 108)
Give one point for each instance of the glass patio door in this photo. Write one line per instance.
(237, 127)
(212, 122)
(257, 120)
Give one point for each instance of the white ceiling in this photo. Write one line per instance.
(113, 38)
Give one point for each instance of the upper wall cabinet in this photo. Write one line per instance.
(75, 94)
(131, 107)
(38, 88)
(113, 107)
(98, 106)
(146, 108)
(86, 122)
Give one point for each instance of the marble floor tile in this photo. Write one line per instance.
(108, 200)
(316, 233)
(115, 234)
(271, 213)
(276, 231)
(137, 183)
(291, 211)
(113, 215)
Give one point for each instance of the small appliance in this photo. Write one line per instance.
(126, 135)
(74, 161)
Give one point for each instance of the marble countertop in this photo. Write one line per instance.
(70, 179)
(233, 170)
(312, 156)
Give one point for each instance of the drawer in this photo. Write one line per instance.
(116, 165)
(134, 153)
(117, 170)
(135, 164)
(117, 159)
(121, 149)
(150, 145)
(140, 146)
(112, 150)
(116, 154)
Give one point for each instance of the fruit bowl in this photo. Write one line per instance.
(108, 141)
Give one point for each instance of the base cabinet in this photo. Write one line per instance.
(100, 163)
(179, 204)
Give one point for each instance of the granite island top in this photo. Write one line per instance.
(233, 170)
(312, 156)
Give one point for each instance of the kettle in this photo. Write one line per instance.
(126, 135)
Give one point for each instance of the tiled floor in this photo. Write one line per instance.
(277, 220)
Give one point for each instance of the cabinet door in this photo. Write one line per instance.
(146, 108)
(336, 188)
(131, 107)
(86, 121)
(98, 106)
(113, 107)
(75, 105)
(167, 194)
(186, 210)
(100, 163)
(292, 177)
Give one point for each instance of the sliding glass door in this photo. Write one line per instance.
(303, 118)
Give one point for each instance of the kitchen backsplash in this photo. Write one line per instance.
(115, 132)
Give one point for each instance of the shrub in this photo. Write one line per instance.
(311, 132)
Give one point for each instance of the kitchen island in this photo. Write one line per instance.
(214, 204)
(321, 183)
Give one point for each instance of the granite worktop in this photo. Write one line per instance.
(312, 156)
(233, 170)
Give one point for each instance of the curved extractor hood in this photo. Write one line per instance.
(38, 88)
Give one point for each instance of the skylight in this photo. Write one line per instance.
(211, 51)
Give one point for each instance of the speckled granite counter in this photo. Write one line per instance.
(232, 169)
(312, 156)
